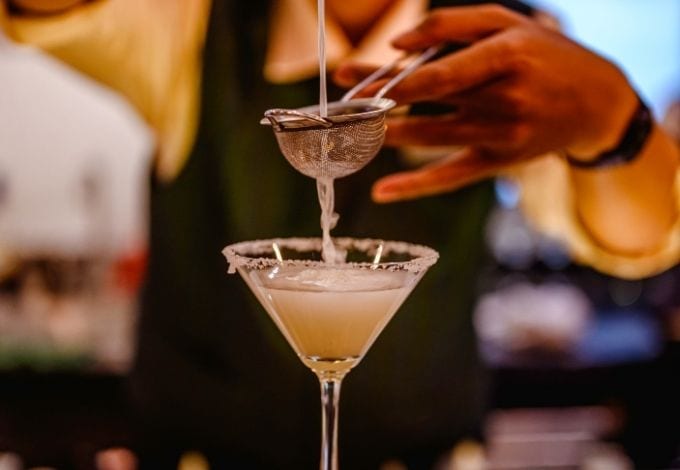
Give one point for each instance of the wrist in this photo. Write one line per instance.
(605, 118)
(630, 143)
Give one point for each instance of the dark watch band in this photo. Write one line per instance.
(638, 131)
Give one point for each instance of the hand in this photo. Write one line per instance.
(519, 90)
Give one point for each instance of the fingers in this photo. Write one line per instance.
(449, 129)
(469, 68)
(462, 168)
(458, 24)
(485, 60)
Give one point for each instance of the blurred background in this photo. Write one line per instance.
(582, 366)
(74, 174)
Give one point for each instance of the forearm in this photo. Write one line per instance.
(630, 209)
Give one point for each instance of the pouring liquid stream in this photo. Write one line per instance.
(326, 191)
(324, 186)
(323, 94)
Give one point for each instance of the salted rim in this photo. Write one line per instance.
(424, 256)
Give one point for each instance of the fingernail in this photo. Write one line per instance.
(376, 195)
(384, 193)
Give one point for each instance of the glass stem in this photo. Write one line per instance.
(330, 398)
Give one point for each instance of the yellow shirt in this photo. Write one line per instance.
(147, 50)
(547, 199)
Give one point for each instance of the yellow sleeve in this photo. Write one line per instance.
(147, 50)
(547, 200)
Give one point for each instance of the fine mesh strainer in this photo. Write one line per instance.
(349, 136)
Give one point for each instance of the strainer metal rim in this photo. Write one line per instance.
(381, 105)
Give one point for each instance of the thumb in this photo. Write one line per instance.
(462, 168)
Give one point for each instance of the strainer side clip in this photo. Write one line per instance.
(282, 119)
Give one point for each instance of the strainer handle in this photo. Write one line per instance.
(371, 78)
(417, 62)
(408, 70)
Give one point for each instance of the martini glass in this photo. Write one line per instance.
(330, 313)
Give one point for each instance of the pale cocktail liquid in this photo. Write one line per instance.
(332, 316)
